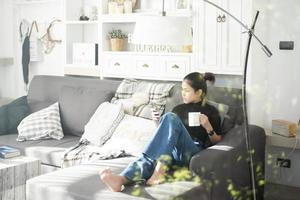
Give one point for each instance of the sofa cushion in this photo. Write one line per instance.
(12, 114)
(132, 135)
(3, 120)
(82, 182)
(157, 92)
(103, 123)
(43, 124)
(222, 109)
(45, 90)
(230, 119)
(48, 151)
(78, 104)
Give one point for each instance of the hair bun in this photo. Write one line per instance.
(208, 76)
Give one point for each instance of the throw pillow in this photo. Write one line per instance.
(125, 90)
(222, 108)
(135, 101)
(103, 123)
(157, 92)
(43, 124)
(230, 119)
(3, 120)
(227, 115)
(12, 114)
(131, 136)
(77, 105)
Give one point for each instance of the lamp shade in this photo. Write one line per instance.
(162, 30)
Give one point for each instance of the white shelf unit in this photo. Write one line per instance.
(217, 47)
(136, 64)
(77, 31)
(154, 66)
(82, 70)
(82, 22)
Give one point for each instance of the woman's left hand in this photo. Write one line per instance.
(205, 122)
(208, 127)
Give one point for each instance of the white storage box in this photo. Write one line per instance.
(85, 53)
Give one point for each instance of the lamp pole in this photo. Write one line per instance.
(244, 102)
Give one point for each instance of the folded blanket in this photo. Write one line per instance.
(84, 153)
(96, 132)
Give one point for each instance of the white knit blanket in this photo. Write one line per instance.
(96, 132)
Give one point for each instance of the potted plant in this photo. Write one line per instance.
(117, 37)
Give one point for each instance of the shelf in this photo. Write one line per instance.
(120, 18)
(28, 2)
(82, 22)
(177, 12)
(131, 18)
(146, 53)
(82, 70)
(162, 78)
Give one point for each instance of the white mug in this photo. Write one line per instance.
(194, 118)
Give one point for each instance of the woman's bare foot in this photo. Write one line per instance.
(112, 181)
(158, 175)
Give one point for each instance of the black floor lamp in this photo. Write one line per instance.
(244, 102)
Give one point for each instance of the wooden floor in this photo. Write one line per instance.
(281, 192)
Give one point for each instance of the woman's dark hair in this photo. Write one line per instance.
(197, 81)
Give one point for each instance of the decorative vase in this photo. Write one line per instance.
(112, 7)
(116, 44)
(128, 6)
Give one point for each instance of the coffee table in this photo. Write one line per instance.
(14, 172)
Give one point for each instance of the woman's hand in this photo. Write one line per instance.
(205, 122)
(208, 127)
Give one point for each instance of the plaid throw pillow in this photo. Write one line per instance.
(125, 90)
(158, 92)
(43, 124)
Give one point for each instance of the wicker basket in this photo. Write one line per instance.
(117, 44)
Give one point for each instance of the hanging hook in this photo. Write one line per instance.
(36, 27)
(47, 40)
(24, 26)
(48, 30)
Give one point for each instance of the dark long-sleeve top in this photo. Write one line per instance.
(198, 133)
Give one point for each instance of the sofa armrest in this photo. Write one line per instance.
(227, 162)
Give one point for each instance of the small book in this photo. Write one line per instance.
(284, 128)
(8, 152)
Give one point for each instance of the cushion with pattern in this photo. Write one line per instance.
(43, 124)
(157, 93)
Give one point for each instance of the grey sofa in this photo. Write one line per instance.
(223, 168)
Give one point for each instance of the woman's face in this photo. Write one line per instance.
(189, 95)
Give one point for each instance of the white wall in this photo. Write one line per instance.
(11, 78)
(275, 81)
(5, 38)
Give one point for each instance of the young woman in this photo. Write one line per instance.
(174, 142)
